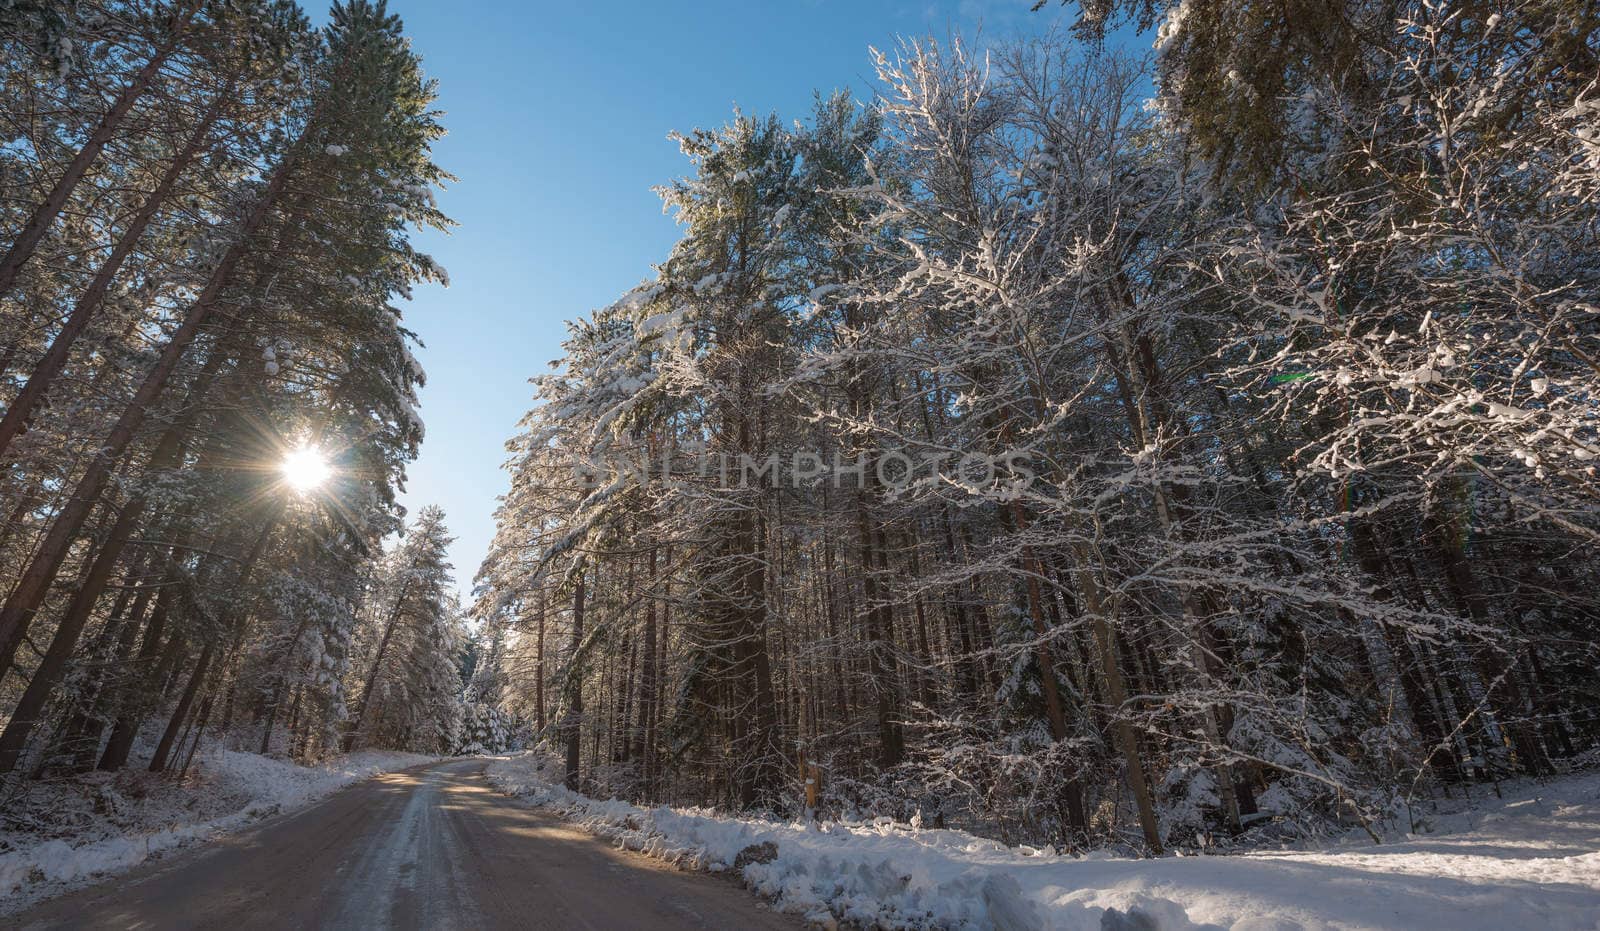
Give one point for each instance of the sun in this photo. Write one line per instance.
(305, 469)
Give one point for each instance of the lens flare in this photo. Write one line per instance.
(305, 469)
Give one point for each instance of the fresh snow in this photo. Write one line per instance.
(106, 823)
(1529, 860)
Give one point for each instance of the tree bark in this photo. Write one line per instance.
(538, 667)
(55, 358)
(377, 664)
(158, 762)
(132, 708)
(45, 214)
(168, 452)
(1117, 697)
(645, 748)
(574, 716)
(19, 609)
(31, 705)
(232, 617)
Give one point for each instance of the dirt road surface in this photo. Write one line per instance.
(431, 847)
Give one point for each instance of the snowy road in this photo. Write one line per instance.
(432, 847)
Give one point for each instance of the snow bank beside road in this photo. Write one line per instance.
(109, 822)
(1531, 860)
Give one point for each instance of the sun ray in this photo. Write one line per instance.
(305, 469)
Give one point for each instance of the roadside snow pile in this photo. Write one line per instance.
(62, 831)
(276, 785)
(1531, 860)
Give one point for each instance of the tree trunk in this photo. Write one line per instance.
(574, 714)
(31, 705)
(232, 617)
(92, 724)
(645, 748)
(1117, 697)
(132, 708)
(880, 649)
(45, 214)
(1077, 816)
(23, 603)
(377, 664)
(158, 762)
(538, 667)
(55, 358)
(199, 734)
(168, 452)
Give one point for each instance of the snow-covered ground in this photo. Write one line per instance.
(1530, 860)
(59, 833)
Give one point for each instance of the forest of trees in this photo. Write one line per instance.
(1250, 400)
(205, 211)
(1077, 448)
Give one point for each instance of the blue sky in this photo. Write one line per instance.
(558, 116)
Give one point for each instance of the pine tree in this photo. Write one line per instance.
(204, 589)
(1177, 507)
(407, 680)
